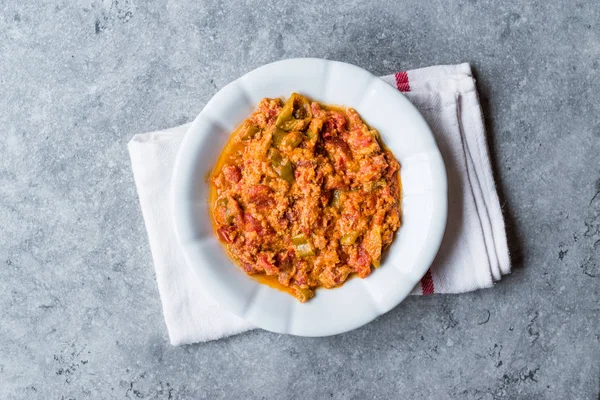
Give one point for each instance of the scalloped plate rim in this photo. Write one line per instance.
(311, 318)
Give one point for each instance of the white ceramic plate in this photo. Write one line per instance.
(424, 202)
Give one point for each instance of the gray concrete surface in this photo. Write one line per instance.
(79, 310)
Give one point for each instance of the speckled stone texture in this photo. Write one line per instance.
(80, 315)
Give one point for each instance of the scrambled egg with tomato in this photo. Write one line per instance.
(305, 195)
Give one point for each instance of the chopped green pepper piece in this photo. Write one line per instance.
(274, 155)
(299, 239)
(349, 238)
(301, 112)
(304, 250)
(314, 128)
(295, 113)
(222, 202)
(302, 246)
(285, 115)
(278, 136)
(336, 200)
(286, 172)
(229, 216)
(250, 131)
(371, 186)
(283, 168)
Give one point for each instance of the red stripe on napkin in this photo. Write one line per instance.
(427, 283)
(402, 81)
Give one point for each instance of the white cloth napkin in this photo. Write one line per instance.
(473, 254)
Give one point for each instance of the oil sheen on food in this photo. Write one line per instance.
(305, 196)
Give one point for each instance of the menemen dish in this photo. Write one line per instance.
(305, 195)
